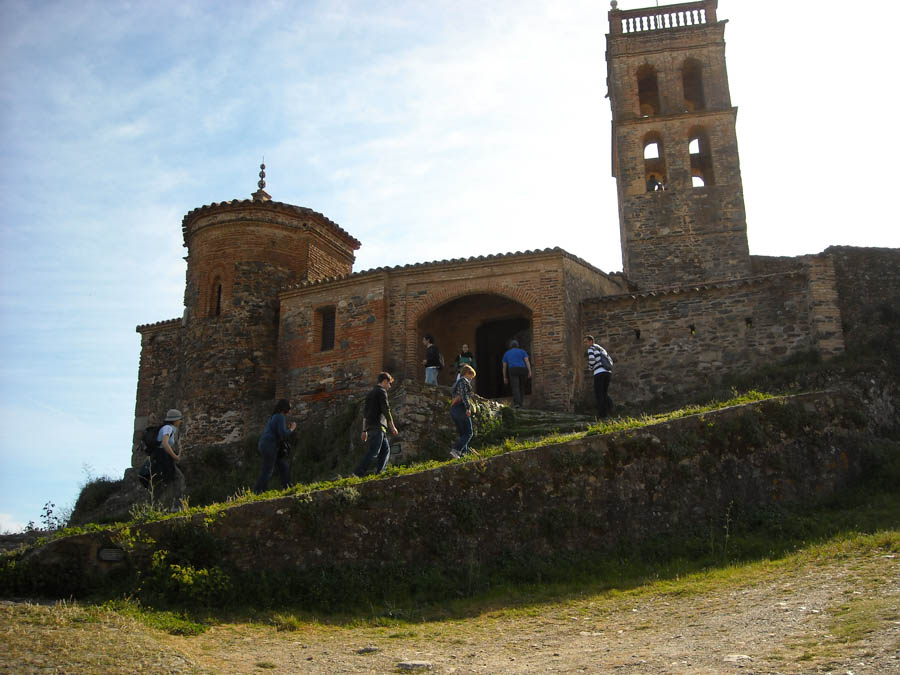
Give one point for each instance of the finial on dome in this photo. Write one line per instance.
(615, 4)
(261, 195)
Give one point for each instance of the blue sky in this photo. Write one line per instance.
(428, 130)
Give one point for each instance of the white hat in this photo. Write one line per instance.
(173, 415)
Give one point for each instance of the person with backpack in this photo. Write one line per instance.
(163, 455)
(461, 409)
(600, 364)
(433, 361)
(273, 447)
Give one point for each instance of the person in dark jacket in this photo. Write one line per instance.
(271, 447)
(432, 360)
(377, 421)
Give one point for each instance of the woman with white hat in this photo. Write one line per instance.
(164, 456)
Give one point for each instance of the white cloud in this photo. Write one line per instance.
(10, 524)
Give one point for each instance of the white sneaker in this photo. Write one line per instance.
(454, 454)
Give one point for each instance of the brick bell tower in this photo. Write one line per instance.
(674, 146)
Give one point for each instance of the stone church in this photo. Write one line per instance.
(273, 307)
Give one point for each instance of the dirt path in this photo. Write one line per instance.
(836, 616)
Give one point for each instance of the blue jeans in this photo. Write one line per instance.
(431, 373)
(269, 452)
(464, 426)
(378, 450)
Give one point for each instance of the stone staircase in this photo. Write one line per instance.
(535, 423)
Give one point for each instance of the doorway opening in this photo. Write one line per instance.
(485, 323)
(492, 338)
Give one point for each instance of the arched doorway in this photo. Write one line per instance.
(484, 321)
(492, 338)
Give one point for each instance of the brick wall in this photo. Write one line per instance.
(382, 315)
(240, 255)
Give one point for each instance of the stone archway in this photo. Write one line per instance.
(484, 321)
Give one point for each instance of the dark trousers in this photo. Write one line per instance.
(464, 426)
(270, 460)
(378, 450)
(601, 387)
(162, 466)
(517, 382)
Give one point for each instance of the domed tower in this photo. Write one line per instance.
(240, 253)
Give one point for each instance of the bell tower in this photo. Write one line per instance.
(674, 146)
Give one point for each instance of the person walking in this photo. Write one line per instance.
(432, 360)
(271, 447)
(600, 364)
(461, 411)
(464, 358)
(377, 421)
(516, 370)
(164, 455)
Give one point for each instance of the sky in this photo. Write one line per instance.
(427, 130)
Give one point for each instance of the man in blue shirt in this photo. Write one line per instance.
(516, 368)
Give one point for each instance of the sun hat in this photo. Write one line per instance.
(173, 415)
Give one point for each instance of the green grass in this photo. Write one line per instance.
(507, 445)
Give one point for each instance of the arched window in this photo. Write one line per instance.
(654, 163)
(692, 83)
(215, 298)
(648, 91)
(701, 158)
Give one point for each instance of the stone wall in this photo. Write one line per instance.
(601, 493)
(868, 282)
(681, 338)
(597, 493)
(159, 383)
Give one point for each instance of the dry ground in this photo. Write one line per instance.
(815, 613)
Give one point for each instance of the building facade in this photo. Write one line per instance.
(273, 308)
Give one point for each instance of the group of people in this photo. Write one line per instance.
(377, 419)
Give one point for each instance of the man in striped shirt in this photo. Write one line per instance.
(600, 364)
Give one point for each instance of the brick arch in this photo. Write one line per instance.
(442, 297)
(207, 301)
(419, 309)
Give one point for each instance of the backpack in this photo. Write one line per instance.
(606, 360)
(148, 439)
